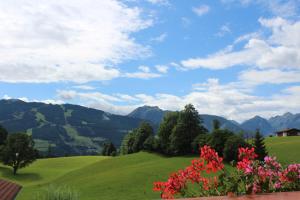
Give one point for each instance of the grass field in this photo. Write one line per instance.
(286, 149)
(124, 177)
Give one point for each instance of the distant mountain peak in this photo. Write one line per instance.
(150, 113)
(257, 117)
(287, 114)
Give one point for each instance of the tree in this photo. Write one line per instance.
(149, 144)
(165, 130)
(232, 144)
(109, 149)
(216, 124)
(200, 141)
(188, 127)
(18, 152)
(3, 135)
(143, 132)
(218, 139)
(259, 145)
(128, 142)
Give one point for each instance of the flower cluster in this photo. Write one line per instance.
(251, 176)
(266, 176)
(246, 157)
(209, 161)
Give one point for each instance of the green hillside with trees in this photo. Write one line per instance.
(127, 177)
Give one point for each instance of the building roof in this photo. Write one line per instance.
(287, 130)
(8, 190)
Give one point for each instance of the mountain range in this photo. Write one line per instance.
(76, 130)
(266, 126)
(65, 129)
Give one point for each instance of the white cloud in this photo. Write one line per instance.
(280, 50)
(159, 38)
(201, 10)
(6, 97)
(84, 87)
(79, 41)
(224, 29)
(211, 97)
(272, 76)
(159, 2)
(144, 69)
(162, 68)
(144, 73)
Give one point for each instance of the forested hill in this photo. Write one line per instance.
(65, 129)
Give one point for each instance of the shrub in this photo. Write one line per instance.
(232, 144)
(200, 141)
(58, 193)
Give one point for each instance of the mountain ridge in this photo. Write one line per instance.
(69, 129)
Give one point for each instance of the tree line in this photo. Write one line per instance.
(183, 133)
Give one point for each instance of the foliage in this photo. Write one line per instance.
(200, 141)
(216, 124)
(259, 145)
(188, 127)
(3, 135)
(232, 144)
(250, 177)
(135, 140)
(58, 193)
(127, 143)
(109, 149)
(165, 129)
(149, 144)
(144, 131)
(18, 151)
(218, 139)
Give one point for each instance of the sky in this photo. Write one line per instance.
(233, 58)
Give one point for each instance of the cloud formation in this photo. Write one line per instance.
(231, 100)
(78, 41)
(281, 50)
(201, 10)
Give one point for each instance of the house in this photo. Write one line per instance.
(288, 132)
(8, 190)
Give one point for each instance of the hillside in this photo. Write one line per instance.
(127, 177)
(286, 149)
(67, 129)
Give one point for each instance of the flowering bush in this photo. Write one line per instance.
(207, 176)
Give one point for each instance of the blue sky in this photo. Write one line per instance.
(234, 58)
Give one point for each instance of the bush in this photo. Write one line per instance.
(58, 193)
(231, 147)
(200, 141)
(218, 139)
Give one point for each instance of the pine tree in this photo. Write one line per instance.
(259, 145)
(188, 127)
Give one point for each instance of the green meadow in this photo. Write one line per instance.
(123, 177)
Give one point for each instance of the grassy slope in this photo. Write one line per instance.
(125, 177)
(286, 149)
